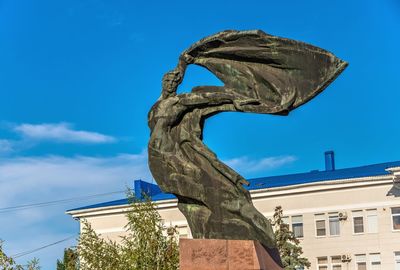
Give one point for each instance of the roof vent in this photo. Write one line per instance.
(329, 161)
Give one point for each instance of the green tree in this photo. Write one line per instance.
(145, 247)
(8, 263)
(33, 265)
(70, 260)
(288, 244)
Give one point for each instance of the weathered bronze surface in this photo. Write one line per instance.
(261, 74)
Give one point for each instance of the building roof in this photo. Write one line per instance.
(263, 182)
(318, 176)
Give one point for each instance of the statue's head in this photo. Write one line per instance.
(170, 82)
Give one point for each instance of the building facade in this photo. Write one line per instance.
(345, 219)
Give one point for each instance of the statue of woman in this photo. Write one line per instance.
(261, 74)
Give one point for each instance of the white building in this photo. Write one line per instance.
(345, 218)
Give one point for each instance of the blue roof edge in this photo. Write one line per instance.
(143, 188)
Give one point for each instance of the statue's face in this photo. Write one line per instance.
(171, 81)
(168, 82)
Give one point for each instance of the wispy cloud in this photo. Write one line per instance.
(26, 180)
(246, 165)
(43, 177)
(61, 132)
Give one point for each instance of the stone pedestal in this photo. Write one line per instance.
(216, 254)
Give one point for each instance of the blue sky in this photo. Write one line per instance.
(78, 77)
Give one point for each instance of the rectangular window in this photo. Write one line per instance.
(397, 260)
(334, 224)
(396, 218)
(285, 220)
(372, 220)
(361, 262)
(336, 263)
(297, 226)
(322, 263)
(320, 224)
(358, 222)
(375, 260)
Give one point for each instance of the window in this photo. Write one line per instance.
(322, 263)
(285, 220)
(372, 220)
(396, 218)
(397, 260)
(334, 224)
(320, 224)
(358, 221)
(297, 226)
(375, 261)
(361, 262)
(336, 263)
(365, 221)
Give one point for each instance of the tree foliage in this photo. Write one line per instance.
(8, 263)
(70, 260)
(145, 247)
(288, 244)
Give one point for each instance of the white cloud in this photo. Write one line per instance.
(246, 165)
(61, 132)
(26, 180)
(52, 177)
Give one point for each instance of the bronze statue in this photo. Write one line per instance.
(261, 74)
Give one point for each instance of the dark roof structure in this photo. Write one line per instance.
(141, 187)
